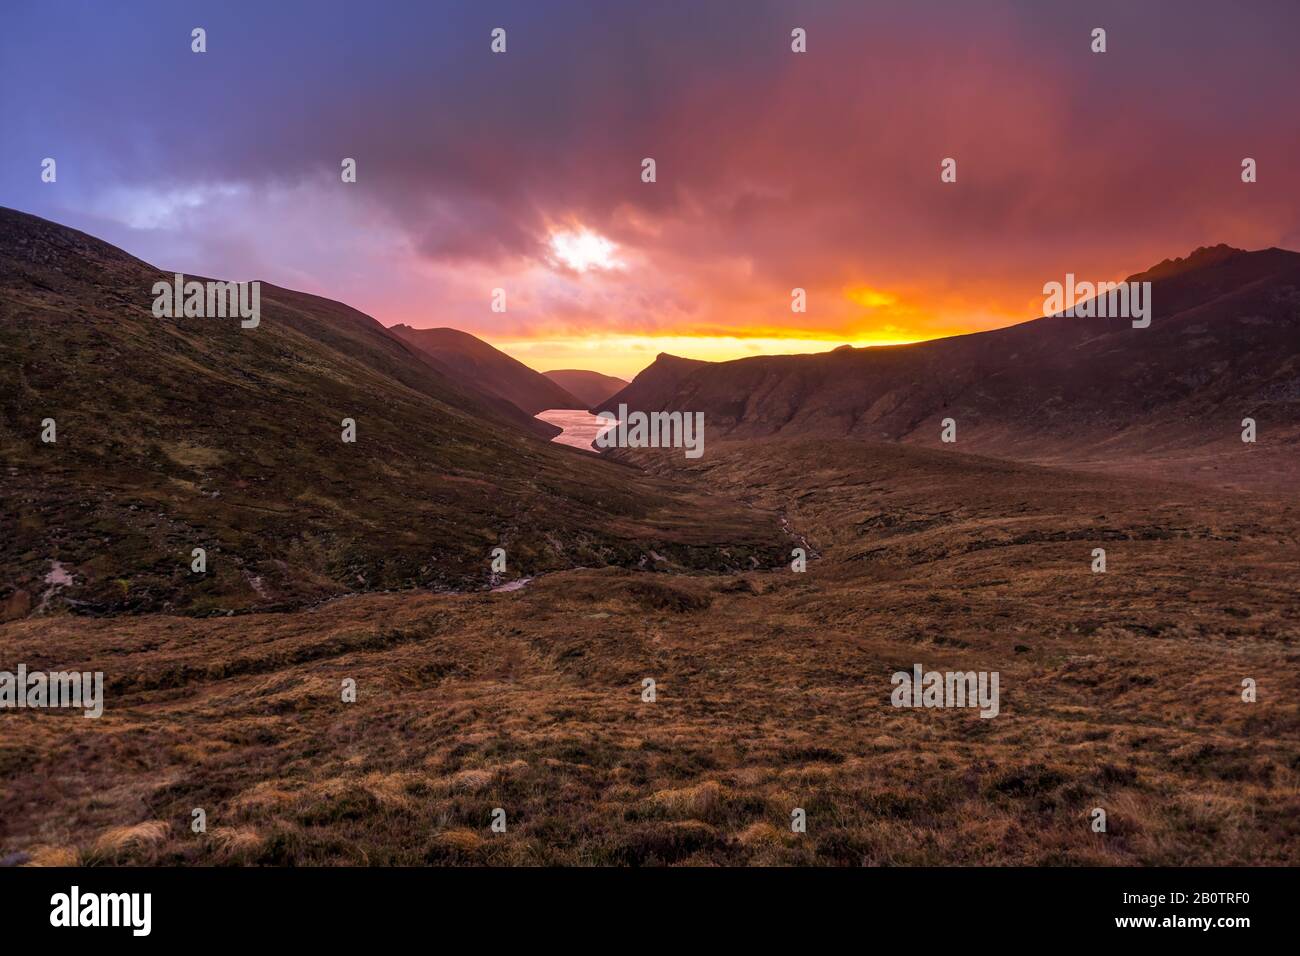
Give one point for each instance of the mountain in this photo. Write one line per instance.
(175, 434)
(660, 381)
(1223, 345)
(590, 388)
(474, 363)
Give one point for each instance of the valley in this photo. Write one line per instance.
(654, 675)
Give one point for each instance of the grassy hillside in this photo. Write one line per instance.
(181, 433)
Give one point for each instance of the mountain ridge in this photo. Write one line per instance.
(1223, 345)
(477, 364)
(590, 388)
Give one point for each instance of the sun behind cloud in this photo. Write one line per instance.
(583, 250)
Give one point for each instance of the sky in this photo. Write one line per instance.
(775, 170)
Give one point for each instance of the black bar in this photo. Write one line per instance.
(945, 906)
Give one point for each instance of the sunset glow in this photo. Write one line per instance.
(625, 355)
(774, 170)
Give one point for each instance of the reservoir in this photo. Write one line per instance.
(580, 426)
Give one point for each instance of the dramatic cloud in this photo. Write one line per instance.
(775, 170)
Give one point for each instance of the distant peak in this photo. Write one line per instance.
(669, 357)
(1200, 258)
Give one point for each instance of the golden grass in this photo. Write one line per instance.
(1119, 691)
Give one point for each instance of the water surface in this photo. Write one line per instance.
(580, 426)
